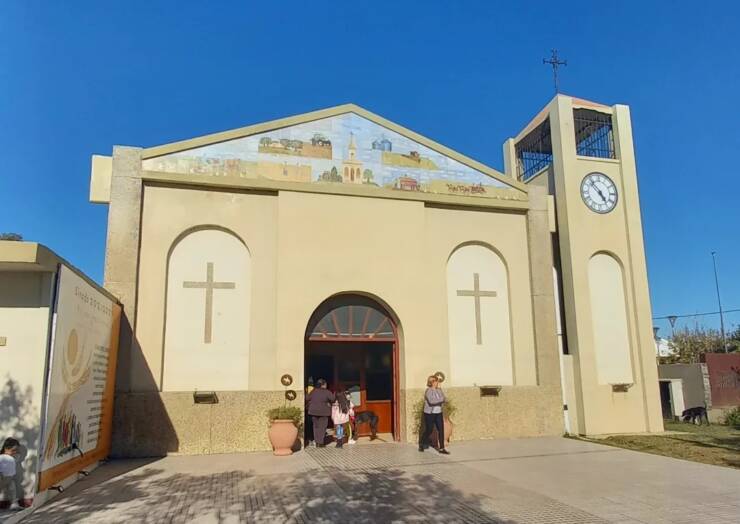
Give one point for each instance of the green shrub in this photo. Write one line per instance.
(286, 413)
(732, 418)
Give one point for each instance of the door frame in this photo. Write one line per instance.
(362, 300)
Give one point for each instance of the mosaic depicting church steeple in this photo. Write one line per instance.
(342, 149)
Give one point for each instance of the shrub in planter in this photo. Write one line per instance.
(285, 421)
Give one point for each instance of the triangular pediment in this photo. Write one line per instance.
(343, 145)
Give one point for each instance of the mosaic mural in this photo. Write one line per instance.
(344, 149)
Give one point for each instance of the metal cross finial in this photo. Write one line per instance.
(555, 62)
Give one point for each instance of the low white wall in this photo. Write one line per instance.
(24, 323)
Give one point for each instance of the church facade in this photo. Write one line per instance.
(340, 245)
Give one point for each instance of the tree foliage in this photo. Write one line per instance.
(11, 236)
(689, 344)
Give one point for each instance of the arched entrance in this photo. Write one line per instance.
(352, 342)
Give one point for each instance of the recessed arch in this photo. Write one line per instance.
(609, 319)
(352, 316)
(207, 311)
(479, 318)
(352, 340)
(202, 227)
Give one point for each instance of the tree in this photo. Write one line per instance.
(689, 344)
(11, 236)
(367, 176)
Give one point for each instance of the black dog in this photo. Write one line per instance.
(366, 416)
(694, 414)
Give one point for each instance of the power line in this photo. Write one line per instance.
(697, 314)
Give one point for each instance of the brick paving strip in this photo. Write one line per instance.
(516, 481)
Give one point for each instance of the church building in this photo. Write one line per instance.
(340, 245)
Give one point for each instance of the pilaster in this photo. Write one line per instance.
(543, 292)
(122, 250)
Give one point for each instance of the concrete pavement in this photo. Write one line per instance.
(544, 480)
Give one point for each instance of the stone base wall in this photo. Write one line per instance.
(521, 411)
(157, 423)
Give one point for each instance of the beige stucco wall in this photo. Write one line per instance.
(207, 325)
(308, 247)
(24, 322)
(168, 213)
(304, 248)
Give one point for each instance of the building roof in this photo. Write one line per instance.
(34, 257)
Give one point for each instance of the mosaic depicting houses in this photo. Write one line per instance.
(346, 149)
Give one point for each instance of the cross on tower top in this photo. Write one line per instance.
(555, 62)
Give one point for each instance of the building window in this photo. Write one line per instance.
(534, 152)
(594, 134)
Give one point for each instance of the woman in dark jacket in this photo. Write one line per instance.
(318, 405)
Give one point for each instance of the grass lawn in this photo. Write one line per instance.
(714, 444)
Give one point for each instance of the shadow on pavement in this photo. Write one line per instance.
(318, 496)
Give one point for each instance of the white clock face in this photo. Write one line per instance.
(599, 192)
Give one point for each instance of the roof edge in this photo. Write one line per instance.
(35, 257)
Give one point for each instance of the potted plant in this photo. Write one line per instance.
(448, 411)
(285, 421)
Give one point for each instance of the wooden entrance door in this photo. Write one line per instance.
(363, 369)
(362, 339)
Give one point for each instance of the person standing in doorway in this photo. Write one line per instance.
(340, 414)
(319, 403)
(434, 399)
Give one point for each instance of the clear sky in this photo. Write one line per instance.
(78, 77)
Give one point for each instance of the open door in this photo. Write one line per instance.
(351, 343)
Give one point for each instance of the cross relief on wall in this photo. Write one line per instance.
(209, 285)
(476, 293)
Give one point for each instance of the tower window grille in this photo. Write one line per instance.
(594, 133)
(534, 152)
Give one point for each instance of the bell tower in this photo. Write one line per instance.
(582, 153)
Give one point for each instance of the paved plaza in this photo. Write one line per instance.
(544, 480)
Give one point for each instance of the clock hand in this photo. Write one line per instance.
(599, 192)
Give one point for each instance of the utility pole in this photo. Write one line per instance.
(719, 301)
(555, 62)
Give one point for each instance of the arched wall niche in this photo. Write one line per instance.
(479, 317)
(609, 321)
(207, 312)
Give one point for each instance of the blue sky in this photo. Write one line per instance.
(78, 77)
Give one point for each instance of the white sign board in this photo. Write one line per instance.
(78, 371)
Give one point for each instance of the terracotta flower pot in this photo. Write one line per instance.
(282, 435)
(448, 429)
